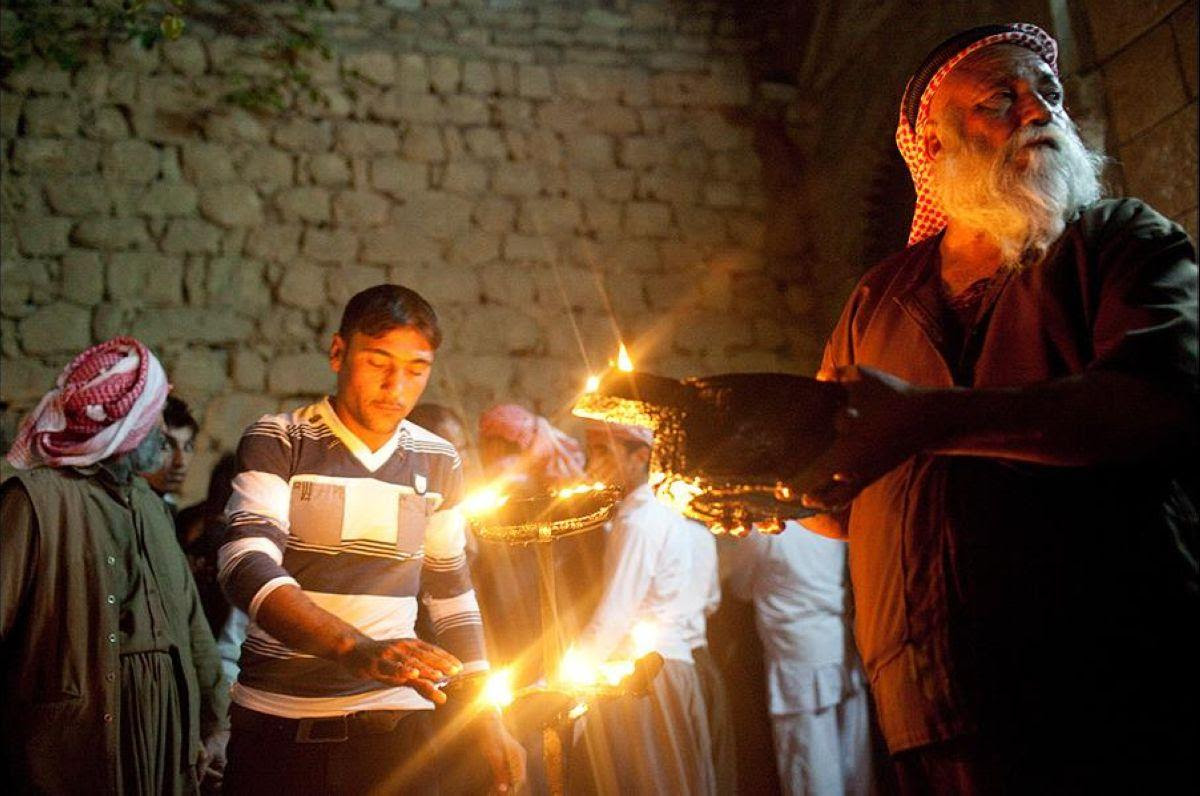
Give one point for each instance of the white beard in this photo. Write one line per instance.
(1022, 197)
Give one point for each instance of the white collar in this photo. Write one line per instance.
(372, 460)
(634, 500)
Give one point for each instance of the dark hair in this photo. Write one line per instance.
(177, 415)
(220, 481)
(382, 308)
(433, 416)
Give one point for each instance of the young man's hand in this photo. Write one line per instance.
(403, 661)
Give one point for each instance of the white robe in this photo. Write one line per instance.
(816, 693)
(658, 743)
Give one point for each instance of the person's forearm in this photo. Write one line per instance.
(831, 526)
(1092, 418)
(292, 618)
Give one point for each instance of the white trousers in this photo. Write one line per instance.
(827, 752)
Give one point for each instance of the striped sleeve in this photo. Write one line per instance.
(250, 558)
(446, 583)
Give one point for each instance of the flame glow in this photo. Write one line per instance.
(482, 501)
(498, 690)
(580, 489)
(624, 363)
(769, 527)
(593, 384)
(576, 668)
(676, 493)
(644, 635)
(613, 672)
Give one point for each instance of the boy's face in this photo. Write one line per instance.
(379, 379)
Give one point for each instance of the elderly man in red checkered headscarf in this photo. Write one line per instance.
(1007, 466)
(112, 682)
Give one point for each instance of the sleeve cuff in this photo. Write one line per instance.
(265, 590)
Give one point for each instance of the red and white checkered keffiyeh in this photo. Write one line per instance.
(928, 217)
(558, 454)
(103, 403)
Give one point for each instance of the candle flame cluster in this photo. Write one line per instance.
(720, 506)
(740, 530)
(674, 492)
(579, 670)
(490, 498)
(581, 489)
(482, 501)
(497, 689)
(623, 364)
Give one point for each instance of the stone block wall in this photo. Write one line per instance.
(704, 179)
(550, 175)
(1146, 53)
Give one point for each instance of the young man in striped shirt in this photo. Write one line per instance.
(342, 514)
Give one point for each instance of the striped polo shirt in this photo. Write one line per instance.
(362, 533)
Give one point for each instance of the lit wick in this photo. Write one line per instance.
(483, 501)
(624, 363)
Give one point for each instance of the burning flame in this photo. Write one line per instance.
(614, 672)
(593, 384)
(580, 489)
(482, 501)
(498, 690)
(676, 493)
(624, 363)
(644, 635)
(769, 527)
(576, 668)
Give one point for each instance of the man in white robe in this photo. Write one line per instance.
(657, 743)
(816, 693)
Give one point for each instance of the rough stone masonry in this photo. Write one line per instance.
(550, 173)
(547, 174)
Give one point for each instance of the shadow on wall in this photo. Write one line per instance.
(889, 209)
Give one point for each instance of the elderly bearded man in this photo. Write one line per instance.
(111, 676)
(342, 513)
(1020, 384)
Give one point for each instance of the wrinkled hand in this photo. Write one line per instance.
(403, 661)
(885, 421)
(210, 765)
(503, 753)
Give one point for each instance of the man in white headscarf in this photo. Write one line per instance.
(1021, 383)
(112, 681)
(658, 743)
